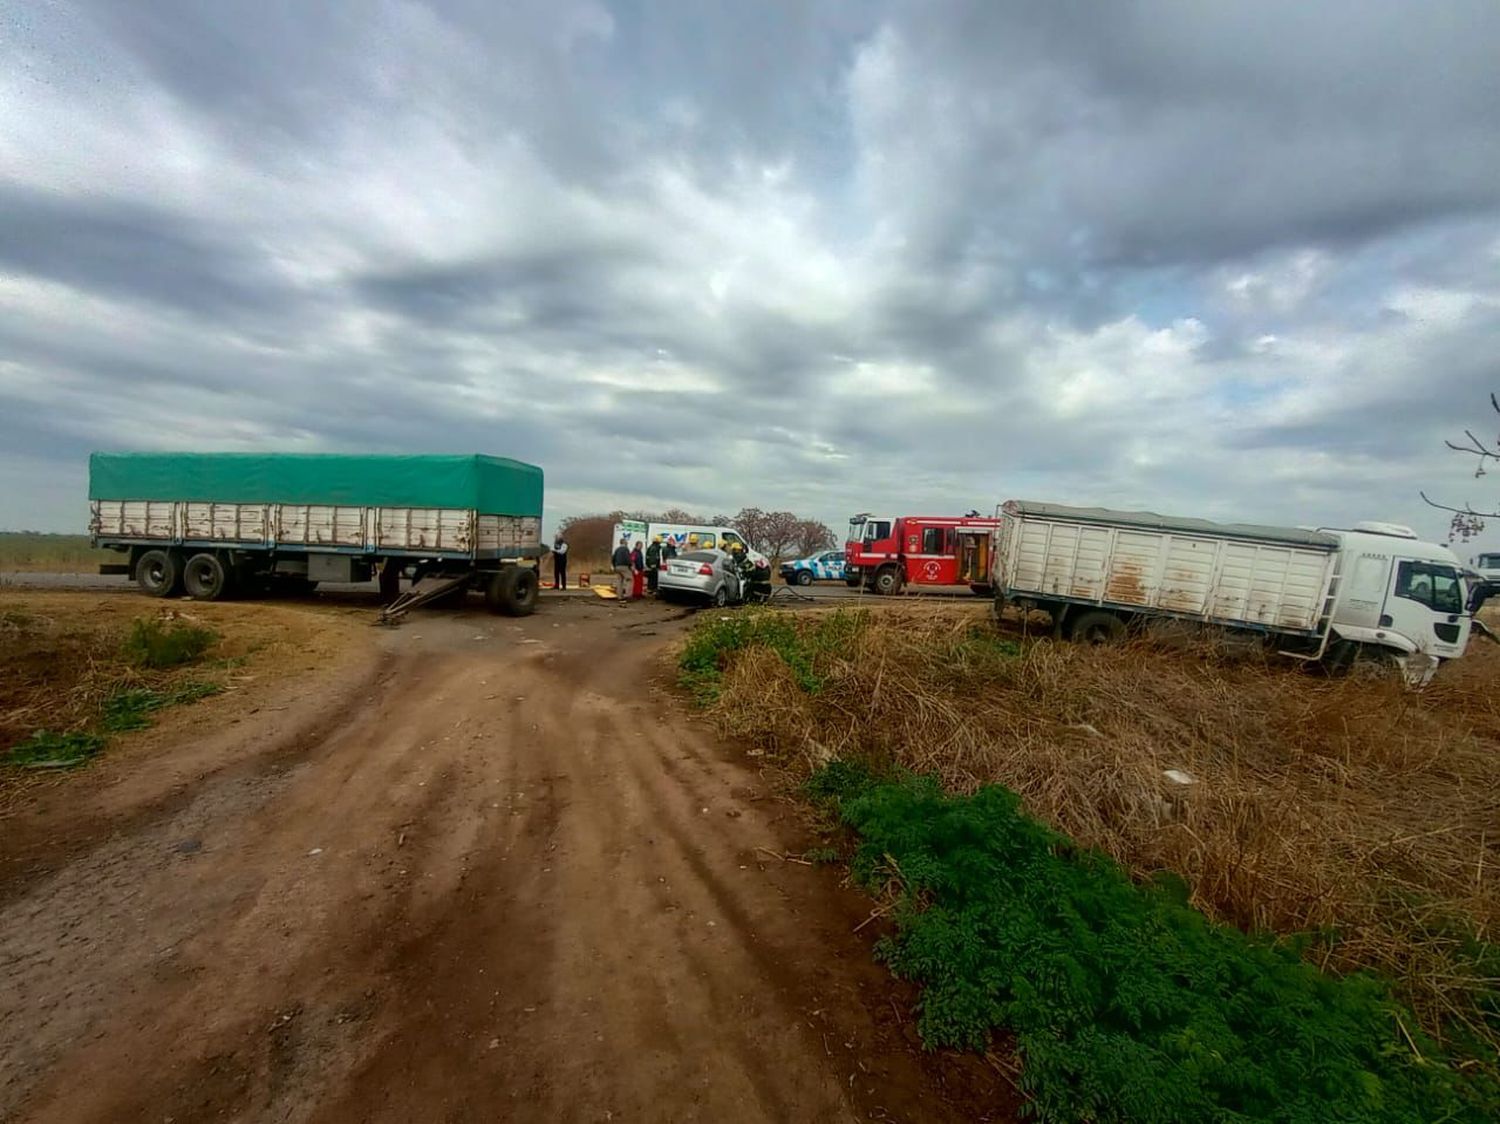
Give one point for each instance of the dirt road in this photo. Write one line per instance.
(491, 873)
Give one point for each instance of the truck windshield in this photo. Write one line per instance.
(1436, 586)
(876, 529)
(1489, 562)
(856, 529)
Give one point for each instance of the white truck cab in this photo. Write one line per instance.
(1396, 591)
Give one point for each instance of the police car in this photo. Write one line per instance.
(825, 567)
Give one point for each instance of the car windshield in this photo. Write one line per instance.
(1489, 561)
(700, 556)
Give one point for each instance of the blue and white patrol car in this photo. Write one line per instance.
(825, 567)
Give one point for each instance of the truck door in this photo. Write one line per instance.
(1364, 589)
(1427, 606)
(974, 557)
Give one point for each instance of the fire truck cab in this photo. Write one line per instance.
(886, 552)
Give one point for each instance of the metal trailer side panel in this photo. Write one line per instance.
(424, 528)
(134, 519)
(224, 522)
(1265, 584)
(502, 536)
(313, 527)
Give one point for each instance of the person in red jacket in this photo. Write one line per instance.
(638, 573)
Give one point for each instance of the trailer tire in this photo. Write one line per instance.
(158, 573)
(887, 581)
(512, 591)
(1096, 627)
(206, 578)
(804, 577)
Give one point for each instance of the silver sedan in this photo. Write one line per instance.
(699, 575)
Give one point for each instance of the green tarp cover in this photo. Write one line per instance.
(490, 485)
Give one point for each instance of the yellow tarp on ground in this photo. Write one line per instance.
(606, 592)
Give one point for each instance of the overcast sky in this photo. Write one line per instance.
(1238, 261)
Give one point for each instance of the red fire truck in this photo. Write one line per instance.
(886, 552)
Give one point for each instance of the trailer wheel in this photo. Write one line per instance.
(205, 578)
(804, 577)
(887, 581)
(512, 591)
(158, 572)
(1096, 627)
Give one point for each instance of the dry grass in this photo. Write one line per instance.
(31, 552)
(62, 656)
(1352, 809)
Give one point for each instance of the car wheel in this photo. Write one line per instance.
(721, 597)
(804, 577)
(205, 578)
(158, 573)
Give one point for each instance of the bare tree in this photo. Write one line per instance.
(750, 522)
(780, 534)
(812, 536)
(1466, 521)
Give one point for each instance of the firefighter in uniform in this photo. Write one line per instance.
(653, 564)
(754, 586)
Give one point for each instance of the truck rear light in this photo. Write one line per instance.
(706, 570)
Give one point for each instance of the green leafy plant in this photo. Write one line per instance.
(128, 709)
(804, 646)
(159, 644)
(1126, 1003)
(47, 750)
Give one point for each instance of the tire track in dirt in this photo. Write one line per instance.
(490, 891)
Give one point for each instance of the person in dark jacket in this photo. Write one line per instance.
(620, 560)
(560, 562)
(653, 563)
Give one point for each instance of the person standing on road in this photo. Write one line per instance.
(620, 560)
(653, 564)
(668, 550)
(637, 573)
(560, 562)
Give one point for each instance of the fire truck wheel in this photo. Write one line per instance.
(887, 581)
(852, 583)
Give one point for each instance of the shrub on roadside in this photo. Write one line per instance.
(157, 644)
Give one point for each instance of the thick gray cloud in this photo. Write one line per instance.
(1242, 263)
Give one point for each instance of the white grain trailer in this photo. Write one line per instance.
(1326, 595)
